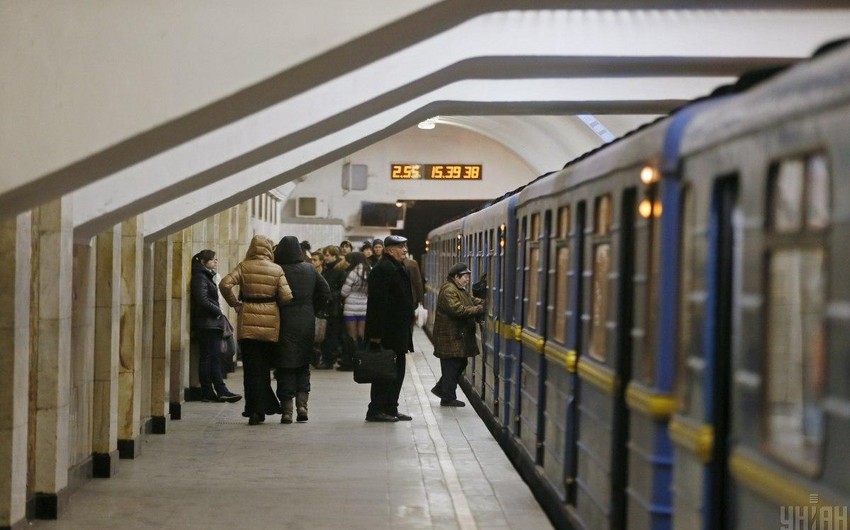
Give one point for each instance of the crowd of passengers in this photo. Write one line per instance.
(299, 309)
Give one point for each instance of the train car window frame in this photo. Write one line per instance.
(651, 215)
(796, 294)
(532, 271)
(685, 337)
(602, 249)
(561, 286)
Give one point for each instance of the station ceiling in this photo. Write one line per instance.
(177, 110)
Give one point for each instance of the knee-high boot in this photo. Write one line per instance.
(287, 411)
(346, 361)
(301, 405)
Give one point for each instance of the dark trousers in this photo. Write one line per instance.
(333, 340)
(209, 362)
(451, 370)
(256, 366)
(385, 395)
(292, 380)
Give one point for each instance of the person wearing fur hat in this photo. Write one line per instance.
(454, 332)
(262, 284)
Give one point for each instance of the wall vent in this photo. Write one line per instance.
(306, 207)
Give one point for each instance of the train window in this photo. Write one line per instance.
(599, 301)
(787, 196)
(603, 215)
(562, 294)
(796, 355)
(563, 222)
(817, 192)
(532, 275)
(796, 293)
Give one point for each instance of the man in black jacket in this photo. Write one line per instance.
(389, 319)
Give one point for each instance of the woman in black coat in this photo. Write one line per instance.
(208, 323)
(297, 327)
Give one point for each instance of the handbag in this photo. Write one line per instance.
(374, 365)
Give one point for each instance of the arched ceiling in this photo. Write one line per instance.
(178, 110)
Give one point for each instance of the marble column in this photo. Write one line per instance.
(161, 336)
(147, 339)
(107, 320)
(179, 337)
(82, 363)
(130, 339)
(15, 275)
(50, 375)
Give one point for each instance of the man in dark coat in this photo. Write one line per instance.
(389, 315)
(297, 327)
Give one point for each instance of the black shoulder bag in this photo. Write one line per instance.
(374, 365)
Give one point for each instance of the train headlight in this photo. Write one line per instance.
(648, 175)
(645, 208)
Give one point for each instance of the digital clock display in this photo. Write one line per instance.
(435, 171)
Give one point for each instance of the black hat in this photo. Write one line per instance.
(392, 240)
(378, 242)
(365, 245)
(459, 269)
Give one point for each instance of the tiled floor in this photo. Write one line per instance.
(442, 470)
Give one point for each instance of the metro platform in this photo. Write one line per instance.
(441, 470)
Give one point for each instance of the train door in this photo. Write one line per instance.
(514, 346)
(533, 365)
(723, 260)
(491, 343)
(620, 441)
(504, 310)
(558, 386)
(574, 341)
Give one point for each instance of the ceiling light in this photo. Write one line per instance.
(428, 124)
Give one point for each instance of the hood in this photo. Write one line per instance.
(288, 251)
(261, 247)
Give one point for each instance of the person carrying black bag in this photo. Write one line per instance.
(454, 333)
(389, 315)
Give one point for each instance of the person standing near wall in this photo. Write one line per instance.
(262, 284)
(389, 319)
(454, 332)
(208, 324)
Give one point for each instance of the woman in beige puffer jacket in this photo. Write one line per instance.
(261, 284)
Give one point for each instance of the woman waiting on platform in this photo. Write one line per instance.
(208, 323)
(355, 292)
(262, 284)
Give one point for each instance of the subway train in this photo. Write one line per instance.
(667, 325)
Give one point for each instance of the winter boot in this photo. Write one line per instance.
(287, 411)
(301, 406)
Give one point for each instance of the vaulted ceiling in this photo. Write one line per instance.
(177, 110)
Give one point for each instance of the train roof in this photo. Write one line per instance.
(804, 88)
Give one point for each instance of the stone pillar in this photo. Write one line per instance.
(144, 380)
(180, 263)
(130, 340)
(161, 339)
(82, 364)
(51, 355)
(107, 319)
(15, 275)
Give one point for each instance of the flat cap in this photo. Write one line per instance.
(459, 269)
(394, 240)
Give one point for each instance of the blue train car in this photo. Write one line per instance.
(667, 327)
